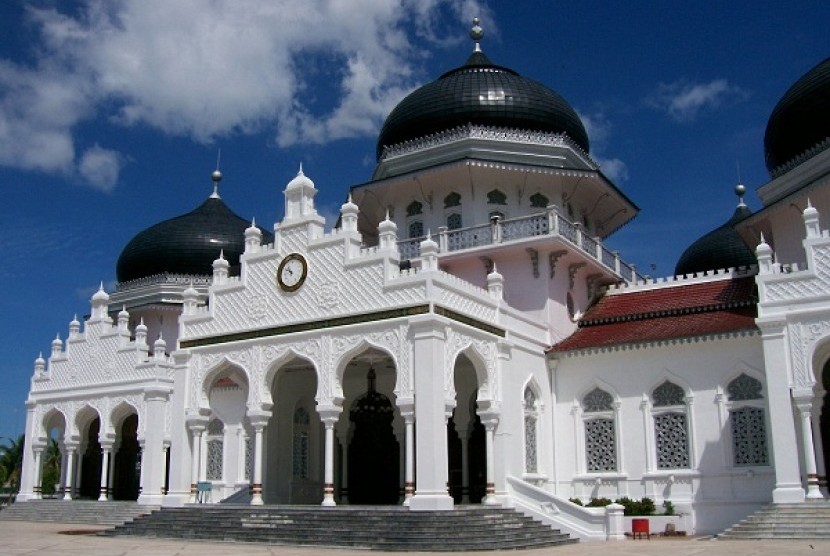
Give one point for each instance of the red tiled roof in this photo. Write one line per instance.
(666, 313)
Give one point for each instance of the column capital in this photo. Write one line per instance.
(329, 414)
(259, 418)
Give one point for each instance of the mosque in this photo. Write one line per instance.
(462, 335)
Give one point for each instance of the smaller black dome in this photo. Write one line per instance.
(720, 248)
(187, 244)
(801, 119)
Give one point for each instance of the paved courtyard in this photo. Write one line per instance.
(47, 539)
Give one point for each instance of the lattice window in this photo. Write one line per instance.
(215, 449)
(454, 221)
(531, 412)
(452, 200)
(744, 388)
(668, 394)
(597, 400)
(496, 197)
(537, 200)
(416, 229)
(672, 440)
(301, 443)
(414, 208)
(600, 445)
(749, 436)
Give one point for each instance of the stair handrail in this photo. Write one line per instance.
(588, 524)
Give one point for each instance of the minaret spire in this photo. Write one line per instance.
(216, 177)
(476, 33)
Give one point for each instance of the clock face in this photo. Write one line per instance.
(292, 272)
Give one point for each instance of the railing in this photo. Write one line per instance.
(534, 225)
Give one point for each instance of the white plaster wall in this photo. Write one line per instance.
(714, 491)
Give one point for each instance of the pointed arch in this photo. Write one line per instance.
(532, 413)
(86, 415)
(479, 363)
(597, 413)
(118, 415)
(52, 419)
(273, 370)
(225, 367)
(363, 345)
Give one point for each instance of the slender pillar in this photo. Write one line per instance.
(152, 450)
(490, 428)
(259, 420)
(64, 464)
(111, 481)
(256, 487)
(329, 416)
(805, 411)
(196, 431)
(821, 465)
(37, 452)
(70, 472)
(408, 414)
(106, 452)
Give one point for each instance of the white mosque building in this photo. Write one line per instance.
(462, 334)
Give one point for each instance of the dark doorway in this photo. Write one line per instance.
(127, 464)
(90, 486)
(477, 464)
(374, 453)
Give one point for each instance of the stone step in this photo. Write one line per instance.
(810, 520)
(75, 511)
(380, 528)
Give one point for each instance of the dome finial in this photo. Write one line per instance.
(477, 33)
(740, 190)
(216, 177)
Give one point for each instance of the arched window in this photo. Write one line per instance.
(301, 431)
(454, 221)
(496, 197)
(414, 208)
(215, 449)
(531, 411)
(537, 200)
(416, 229)
(452, 200)
(671, 429)
(748, 421)
(600, 431)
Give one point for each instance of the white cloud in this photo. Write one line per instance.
(599, 128)
(209, 69)
(100, 167)
(683, 101)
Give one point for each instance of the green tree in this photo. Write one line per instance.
(51, 468)
(11, 462)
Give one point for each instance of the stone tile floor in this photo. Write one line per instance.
(49, 539)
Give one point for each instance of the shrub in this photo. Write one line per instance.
(599, 502)
(632, 507)
(668, 508)
(576, 501)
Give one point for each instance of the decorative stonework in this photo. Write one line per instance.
(600, 445)
(749, 436)
(672, 440)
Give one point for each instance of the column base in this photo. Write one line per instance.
(150, 499)
(256, 495)
(491, 500)
(788, 495)
(814, 492)
(427, 502)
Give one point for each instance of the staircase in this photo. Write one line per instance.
(376, 528)
(807, 521)
(75, 511)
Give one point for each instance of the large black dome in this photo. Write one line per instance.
(721, 248)
(801, 119)
(480, 92)
(186, 244)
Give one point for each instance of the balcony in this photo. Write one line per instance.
(498, 231)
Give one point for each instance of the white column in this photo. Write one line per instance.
(783, 437)
(106, 450)
(259, 420)
(821, 465)
(71, 448)
(329, 415)
(196, 430)
(407, 410)
(37, 452)
(805, 409)
(428, 346)
(28, 482)
(490, 423)
(152, 452)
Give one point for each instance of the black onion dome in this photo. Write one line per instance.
(720, 248)
(186, 244)
(481, 93)
(801, 119)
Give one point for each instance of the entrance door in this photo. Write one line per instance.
(374, 452)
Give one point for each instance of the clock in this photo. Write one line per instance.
(292, 272)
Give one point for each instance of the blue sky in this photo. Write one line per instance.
(111, 114)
